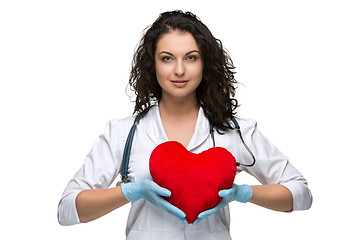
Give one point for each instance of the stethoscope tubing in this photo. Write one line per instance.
(130, 139)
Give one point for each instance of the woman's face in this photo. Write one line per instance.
(178, 64)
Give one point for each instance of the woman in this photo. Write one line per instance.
(183, 72)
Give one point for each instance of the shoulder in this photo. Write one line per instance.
(124, 124)
(245, 124)
(118, 127)
(120, 122)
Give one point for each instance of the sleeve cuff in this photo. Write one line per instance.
(67, 213)
(302, 198)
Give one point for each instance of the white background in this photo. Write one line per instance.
(64, 67)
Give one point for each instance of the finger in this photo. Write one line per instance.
(197, 221)
(207, 213)
(164, 204)
(213, 210)
(226, 192)
(160, 190)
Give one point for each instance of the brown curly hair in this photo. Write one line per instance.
(217, 88)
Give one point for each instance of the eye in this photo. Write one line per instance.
(166, 59)
(191, 58)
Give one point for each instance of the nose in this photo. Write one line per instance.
(179, 68)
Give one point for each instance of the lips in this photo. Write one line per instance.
(179, 83)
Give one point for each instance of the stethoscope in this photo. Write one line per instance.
(130, 138)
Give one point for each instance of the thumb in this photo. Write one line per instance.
(226, 192)
(160, 190)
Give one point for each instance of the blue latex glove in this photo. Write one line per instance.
(240, 193)
(153, 193)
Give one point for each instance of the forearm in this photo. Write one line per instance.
(94, 203)
(273, 196)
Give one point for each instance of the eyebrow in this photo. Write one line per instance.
(185, 54)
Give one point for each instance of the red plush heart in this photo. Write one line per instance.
(193, 179)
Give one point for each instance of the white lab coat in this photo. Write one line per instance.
(146, 221)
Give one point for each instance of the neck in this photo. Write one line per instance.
(178, 108)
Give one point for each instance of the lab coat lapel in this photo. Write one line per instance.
(201, 133)
(157, 134)
(153, 126)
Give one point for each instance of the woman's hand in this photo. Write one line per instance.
(153, 193)
(240, 193)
